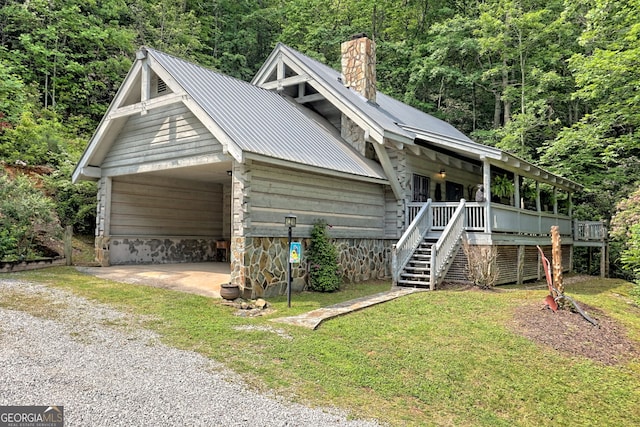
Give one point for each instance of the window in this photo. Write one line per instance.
(420, 188)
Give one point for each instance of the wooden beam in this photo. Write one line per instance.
(91, 172)
(387, 166)
(142, 107)
(289, 81)
(145, 86)
(415, 149)
(309, 98)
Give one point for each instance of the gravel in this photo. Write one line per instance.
(106, 370)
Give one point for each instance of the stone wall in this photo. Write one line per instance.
(264, 271)
(155, 250)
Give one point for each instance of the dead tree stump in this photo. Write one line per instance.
(556, 251)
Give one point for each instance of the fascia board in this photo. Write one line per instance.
(96, 138)
(315, 169)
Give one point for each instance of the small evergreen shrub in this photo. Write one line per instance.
(323, 260)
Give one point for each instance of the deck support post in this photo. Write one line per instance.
(520, 278)
(603, 260)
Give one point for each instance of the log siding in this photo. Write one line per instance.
(161, 137)
(354, 212)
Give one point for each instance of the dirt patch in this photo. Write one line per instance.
(568, 332)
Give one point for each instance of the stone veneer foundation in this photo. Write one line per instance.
(154, 250)
(264, 270)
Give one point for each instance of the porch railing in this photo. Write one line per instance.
(504, 219)
(443, 212)
(509, 219)
(589, 231)
(418, 228)
(443, 250)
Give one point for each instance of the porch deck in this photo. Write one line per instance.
(436, 229)
(509, 225)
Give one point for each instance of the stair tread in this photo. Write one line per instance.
(413, 283)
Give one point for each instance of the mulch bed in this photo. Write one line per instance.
(569, 332)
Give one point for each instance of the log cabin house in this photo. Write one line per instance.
(189, 161)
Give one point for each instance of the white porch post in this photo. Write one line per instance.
(486, 181)
(538, 204)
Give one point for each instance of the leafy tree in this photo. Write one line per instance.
(39, 140)
(602, 150)
(323, 260)
(625, 231)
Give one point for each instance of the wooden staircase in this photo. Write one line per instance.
(418, 270)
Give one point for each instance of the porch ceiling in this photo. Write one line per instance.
(215, 173)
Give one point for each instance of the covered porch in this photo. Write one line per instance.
(429, 246)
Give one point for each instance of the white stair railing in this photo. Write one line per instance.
(443, 249)
(406, 246)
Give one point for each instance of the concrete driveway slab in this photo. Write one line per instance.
(199, 278)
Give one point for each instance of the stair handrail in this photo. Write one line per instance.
(410, 240)
(449, 240)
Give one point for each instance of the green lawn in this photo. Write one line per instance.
(433, 358)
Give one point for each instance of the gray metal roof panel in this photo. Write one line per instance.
(389, 113)
(263, 122)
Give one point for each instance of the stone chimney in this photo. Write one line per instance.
(359, 65)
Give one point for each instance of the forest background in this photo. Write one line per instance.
(554, 82)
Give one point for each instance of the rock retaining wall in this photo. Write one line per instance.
(259, 264)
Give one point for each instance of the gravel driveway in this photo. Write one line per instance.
(106, 370)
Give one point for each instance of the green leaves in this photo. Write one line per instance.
(323, 260)
(24, 211)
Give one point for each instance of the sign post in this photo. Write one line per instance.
(290, 221)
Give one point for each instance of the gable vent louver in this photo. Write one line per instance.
(162, 86)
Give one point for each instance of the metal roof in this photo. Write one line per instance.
(388, 112)
(402, 120)
(265, 123)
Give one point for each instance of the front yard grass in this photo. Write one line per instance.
(434, 358)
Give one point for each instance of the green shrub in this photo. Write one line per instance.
(323, 260)
(75, 203)
(24, 211)
(625, 231)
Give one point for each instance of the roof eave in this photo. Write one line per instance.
(498, 157)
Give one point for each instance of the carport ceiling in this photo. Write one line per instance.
(214, 173)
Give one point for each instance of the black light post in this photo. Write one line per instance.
(289, 221)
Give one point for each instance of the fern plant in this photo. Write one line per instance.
(323, 260)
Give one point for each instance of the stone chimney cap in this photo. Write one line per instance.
(358, 36)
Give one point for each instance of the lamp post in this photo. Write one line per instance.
(289, 221)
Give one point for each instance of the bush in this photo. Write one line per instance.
(625, 231)
(75, 203)
(24, 211)
(482, 266)
(323, 260)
